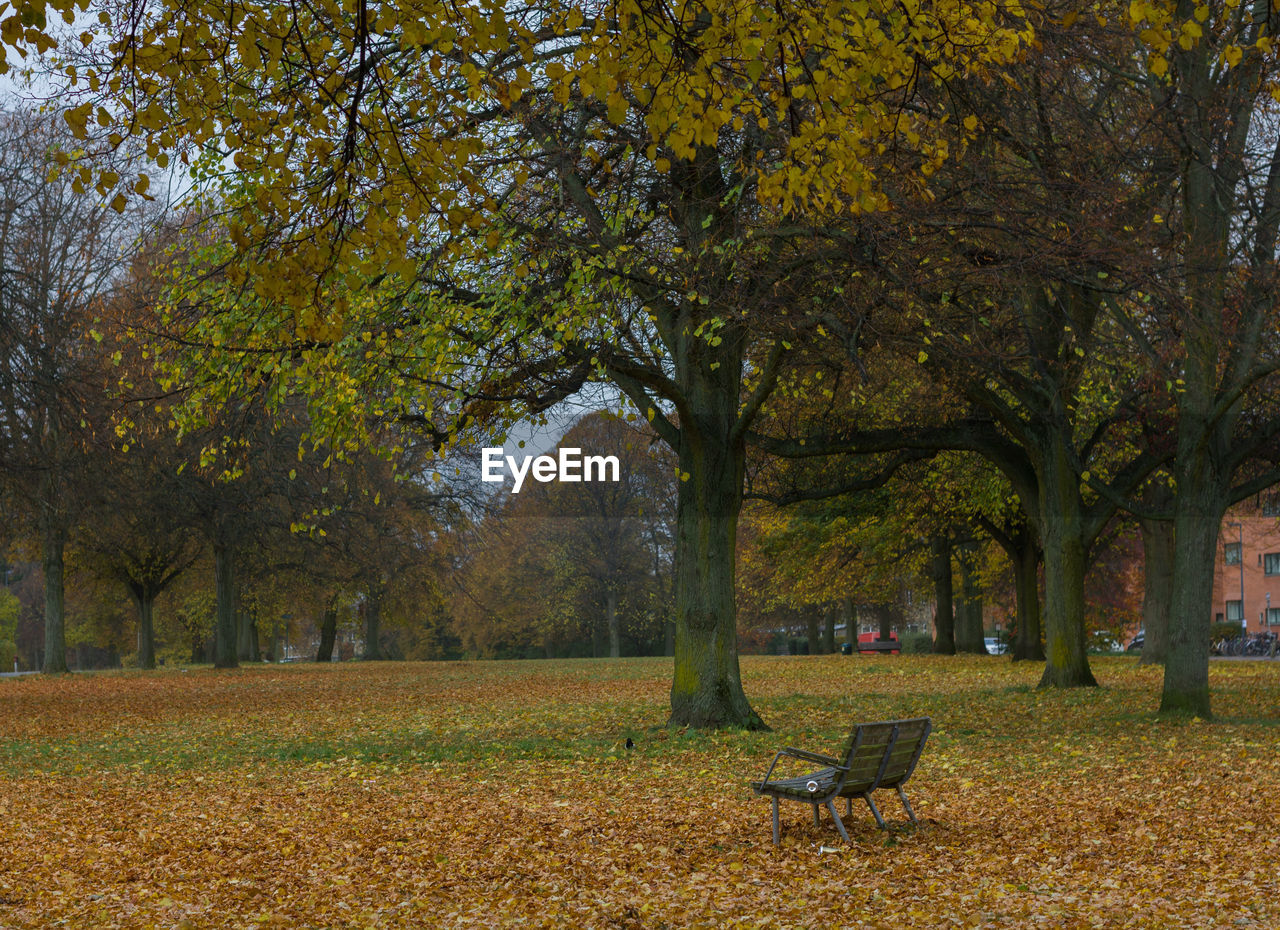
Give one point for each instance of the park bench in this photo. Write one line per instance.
(880, 645)
(878, 755)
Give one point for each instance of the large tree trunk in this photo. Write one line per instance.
(1198, 512)
(145, 600)
(849, 611)
(829, 629)
(328, 635)
(55, 631)
(224, 642)
(611, 621)
(1026, 568)
(1211, 401)
(372, 627)
(887, 615)
(1065, 558)
(246, 636)
(969, 628)
(812, 622)
(706, 689)
(1158, 550)
(944, 639)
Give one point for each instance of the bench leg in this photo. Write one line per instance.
(776, 829)
(815, 815)
(831, 806)
(910, 812)
(848, 807)
(872, 804)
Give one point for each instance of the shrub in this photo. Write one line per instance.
(1224, 631)
(917, 643)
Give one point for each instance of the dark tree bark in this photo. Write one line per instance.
(372, 625)
(813, 622)
(706, 690)
(1062, 528)
(246, 636)
(944, 642)
(144, 599)
(969, 630)
(328, 635)
(55, 632)
(611, 621)
(224, 642)
(887, 615)
(1201, 503)
(1158, 549)
(255, 646)
(829, 628)
(1027, 645)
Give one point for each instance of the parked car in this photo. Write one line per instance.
(1135, 645)
(996, 646)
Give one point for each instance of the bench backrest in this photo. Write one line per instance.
(883, 755)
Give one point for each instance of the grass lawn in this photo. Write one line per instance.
(499, 794)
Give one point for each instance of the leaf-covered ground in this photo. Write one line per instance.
(499, 794)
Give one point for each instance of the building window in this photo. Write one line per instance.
(1273, 616)
(1232, 553)
(1235, 611)
(1271, 563)
(1271, 505)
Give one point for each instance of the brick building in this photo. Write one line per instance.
(1246, 580)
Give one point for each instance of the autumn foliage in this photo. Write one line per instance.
(500, 794)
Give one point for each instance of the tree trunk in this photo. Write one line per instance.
(1062, 530)
(813, 629)
(944, 638)
(372, 624)
(611, 620)
(668, 638)
(328, 635)
(1198, 513)
(706, 689)
(1158, 551)
(55, 631)
(255, 647)
(829, 629)
(224, 643)
(850, 613)
(245, 635)
(968, 630)
(1026, 567)
(597, 638)
(145, 601)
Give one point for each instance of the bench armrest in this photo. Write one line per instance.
(799, 754)
(810, 756)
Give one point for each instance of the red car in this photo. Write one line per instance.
(871, 642)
